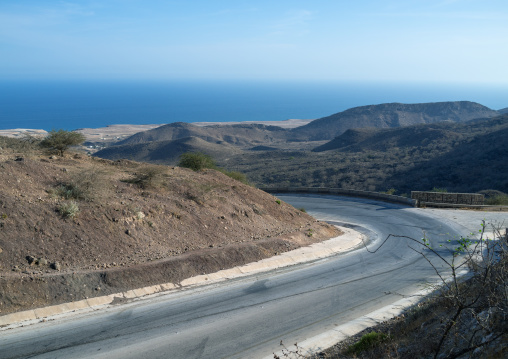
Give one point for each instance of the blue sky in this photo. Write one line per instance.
(337, 40)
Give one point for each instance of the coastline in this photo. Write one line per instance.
(116, 132)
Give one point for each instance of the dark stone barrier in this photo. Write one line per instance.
(473, 199)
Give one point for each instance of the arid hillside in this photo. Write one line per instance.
(75, 226)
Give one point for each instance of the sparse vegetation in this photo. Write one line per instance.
(366, 342)
(437, 189)
(196, 161)
(149, 176)
(26, 144)
(60, 140)
(497, 200)
(88, 185)
(236, 176)
(391, 191)
(68, 209)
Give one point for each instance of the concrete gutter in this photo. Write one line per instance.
(350, 240)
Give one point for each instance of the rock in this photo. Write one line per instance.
(41, 262)
(19, 159)
(53, 157)
(1, 250)
(56, 266)
(30, 259)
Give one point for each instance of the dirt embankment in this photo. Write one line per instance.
(74, 227)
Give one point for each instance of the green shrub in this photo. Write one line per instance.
(437, 189)
(25, 144)
(68, 209)
(87, 185)
(498, 200)
(68, 191)
(60, 140)
(302, 210)
(196, 161)
(151, 176)
(367, 342)
(236, 176)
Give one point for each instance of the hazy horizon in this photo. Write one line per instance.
(431, 41)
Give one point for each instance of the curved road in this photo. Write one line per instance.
(248, 317)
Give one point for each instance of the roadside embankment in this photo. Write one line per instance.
(349, 240)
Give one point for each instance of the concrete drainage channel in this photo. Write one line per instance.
(350, 240)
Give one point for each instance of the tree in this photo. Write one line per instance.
(196, 161)
(61, 140)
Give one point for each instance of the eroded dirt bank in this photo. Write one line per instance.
(132, 225)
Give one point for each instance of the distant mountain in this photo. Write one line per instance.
(472, 166)
(239, 135)
(390, 115)
(360, 139)
(503, 110)
(167, 152)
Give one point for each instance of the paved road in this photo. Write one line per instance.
(248, 317)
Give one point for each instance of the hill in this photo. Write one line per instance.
(76, 226)
(503, 110)
(461, 157)
(217, 140)
(239, 135)
(473, 165)
(391, 115)
(362, 139)
(168, 152)
(409, 136)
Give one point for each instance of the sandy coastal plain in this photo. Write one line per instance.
(118, 132)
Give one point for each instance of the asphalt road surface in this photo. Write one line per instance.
(248, 317)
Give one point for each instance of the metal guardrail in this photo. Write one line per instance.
(343, 192)
(378, 196)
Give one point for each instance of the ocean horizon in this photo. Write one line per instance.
(72, 105)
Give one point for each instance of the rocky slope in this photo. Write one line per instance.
(391, 115)
(74, 227)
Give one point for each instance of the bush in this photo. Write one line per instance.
(196, 161)
(236, 176)
(68, 209)
(437, 189)
(60, 140)
(150, 176)
(87, 185)
(25, 144)
(499, 200)
(366, 342)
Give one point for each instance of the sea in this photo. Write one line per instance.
(72, 105)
